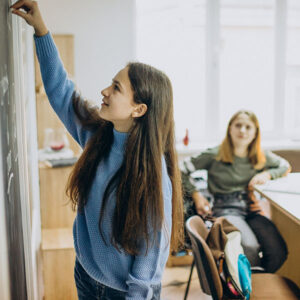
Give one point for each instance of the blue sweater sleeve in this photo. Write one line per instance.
(59, 88)
(148, 268)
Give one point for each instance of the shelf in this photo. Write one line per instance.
(57, 239)
(58, 264)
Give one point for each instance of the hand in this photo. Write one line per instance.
(260, 178)
(31, 15)
(201, 204)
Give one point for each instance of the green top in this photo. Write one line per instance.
(227, 178)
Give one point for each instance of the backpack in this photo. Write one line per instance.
(224, 241)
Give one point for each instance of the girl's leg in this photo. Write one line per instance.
(273, 245)
(90, 289)
(87, 288)
(250, 243)
(156, 292)
(112, 294)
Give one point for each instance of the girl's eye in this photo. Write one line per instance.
(248, 127)
(238, 125)
(116, 88)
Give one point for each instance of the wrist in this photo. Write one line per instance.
(268, 175)
(40, 31)
(196, 195)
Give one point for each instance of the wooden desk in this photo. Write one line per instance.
(284, 197)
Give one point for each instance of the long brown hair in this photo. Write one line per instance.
(138, 182)
(255, 152)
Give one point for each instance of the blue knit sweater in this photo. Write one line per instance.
(134, 274)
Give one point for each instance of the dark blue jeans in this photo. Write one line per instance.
(90, 289)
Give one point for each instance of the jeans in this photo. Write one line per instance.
(273, 246)
(234, 208)
(90, 289)
(258, 232)
(234, 204)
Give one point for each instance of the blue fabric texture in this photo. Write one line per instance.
(245, 275)
(90, 289)
(134, 275)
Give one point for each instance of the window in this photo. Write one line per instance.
(222, 56)
(292, 89)
(247, 60)
(171, 37)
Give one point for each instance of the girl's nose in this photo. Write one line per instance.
(105, 92)
(243, 129)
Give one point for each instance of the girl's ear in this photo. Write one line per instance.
(139, 110)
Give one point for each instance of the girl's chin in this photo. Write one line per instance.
(242, 143)
(102, 116)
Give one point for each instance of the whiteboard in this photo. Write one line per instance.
(15, 234)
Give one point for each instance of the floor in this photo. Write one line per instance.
(174, 284)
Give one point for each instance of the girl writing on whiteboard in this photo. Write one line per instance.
(126, 184)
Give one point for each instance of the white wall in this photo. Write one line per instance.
(104, 32)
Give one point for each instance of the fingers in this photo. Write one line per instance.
(203, 210)
(250, 187)
(21, 14)
(199, 210)
(256, 181)
(207, 210)
(26, 4)
(22, 4)
(253, 181)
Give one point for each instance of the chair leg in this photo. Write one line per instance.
(189, 281)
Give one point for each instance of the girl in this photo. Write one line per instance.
(126, 184)
(234, 168)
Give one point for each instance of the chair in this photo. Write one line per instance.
(264, 285)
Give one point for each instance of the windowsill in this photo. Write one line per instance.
(275, 144)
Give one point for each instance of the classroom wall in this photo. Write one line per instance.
(104, 34)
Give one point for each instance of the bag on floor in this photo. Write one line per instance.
(224, 241)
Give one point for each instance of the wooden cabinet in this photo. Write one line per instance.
(56, 209)
(58, 264)
(57, 217)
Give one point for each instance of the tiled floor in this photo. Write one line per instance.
(174, 284)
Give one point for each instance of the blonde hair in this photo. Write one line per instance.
(255, 152)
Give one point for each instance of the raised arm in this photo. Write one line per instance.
(59, 88)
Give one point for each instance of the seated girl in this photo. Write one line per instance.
(233, 169)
